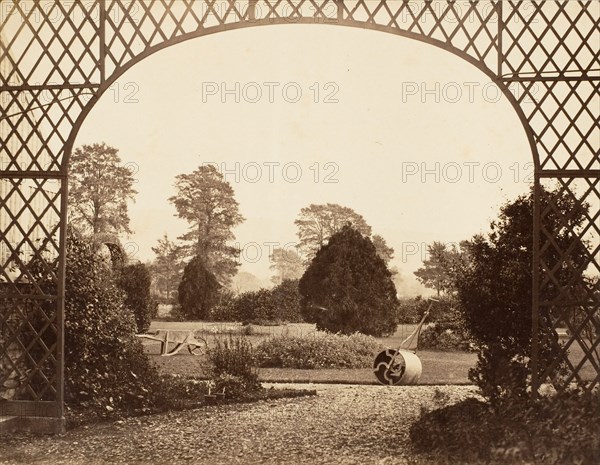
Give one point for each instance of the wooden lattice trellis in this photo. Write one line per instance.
(57, 58)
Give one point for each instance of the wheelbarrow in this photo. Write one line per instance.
(173, 341)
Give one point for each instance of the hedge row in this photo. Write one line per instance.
(318, 350)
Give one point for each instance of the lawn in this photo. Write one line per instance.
(438, 367)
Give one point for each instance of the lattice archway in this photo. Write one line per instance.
(58, 57)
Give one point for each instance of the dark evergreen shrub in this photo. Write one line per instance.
(135, 280)
(286, 299)
(495, 290)
(106, 370)
(198, 291)
(348, 288)
(255, 307)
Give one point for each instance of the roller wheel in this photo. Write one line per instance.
(389, 367)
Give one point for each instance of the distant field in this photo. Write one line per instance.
(438, 367)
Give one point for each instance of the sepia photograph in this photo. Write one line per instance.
(299, 232)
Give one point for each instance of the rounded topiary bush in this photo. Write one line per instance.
(198, 290)
(348, 288)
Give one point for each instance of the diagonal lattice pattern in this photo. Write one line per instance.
(564, 117)
(556, 38)
(57, 58)
(36, 125)
(132, 28)
(570, 278)
(29, 250)
(50, 43)
(30, 225)
(29, 336)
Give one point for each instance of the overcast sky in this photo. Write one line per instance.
(415, 139)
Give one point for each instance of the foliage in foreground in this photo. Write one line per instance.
(557, 430)
(495, 290)
(318, 350)
(348, 288)
(107, 374)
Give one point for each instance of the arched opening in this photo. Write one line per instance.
(57, 148)
(406, 134)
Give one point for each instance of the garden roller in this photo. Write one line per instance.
(401, 366)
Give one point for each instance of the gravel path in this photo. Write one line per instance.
(341, 425)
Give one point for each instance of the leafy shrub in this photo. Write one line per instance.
(232, 361)
(495, 290)
(176, 392)
(135, 280)
(198, 290)
(254, 305)
(107, 373)
(460, 433)
(446, 309)
(557, 430)
(286, 299)
(348, 288)
(445, 336)
(221, 313)
(411, 310)
(235, 387)
(224, 309)
(262, 307)
(318, 350)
